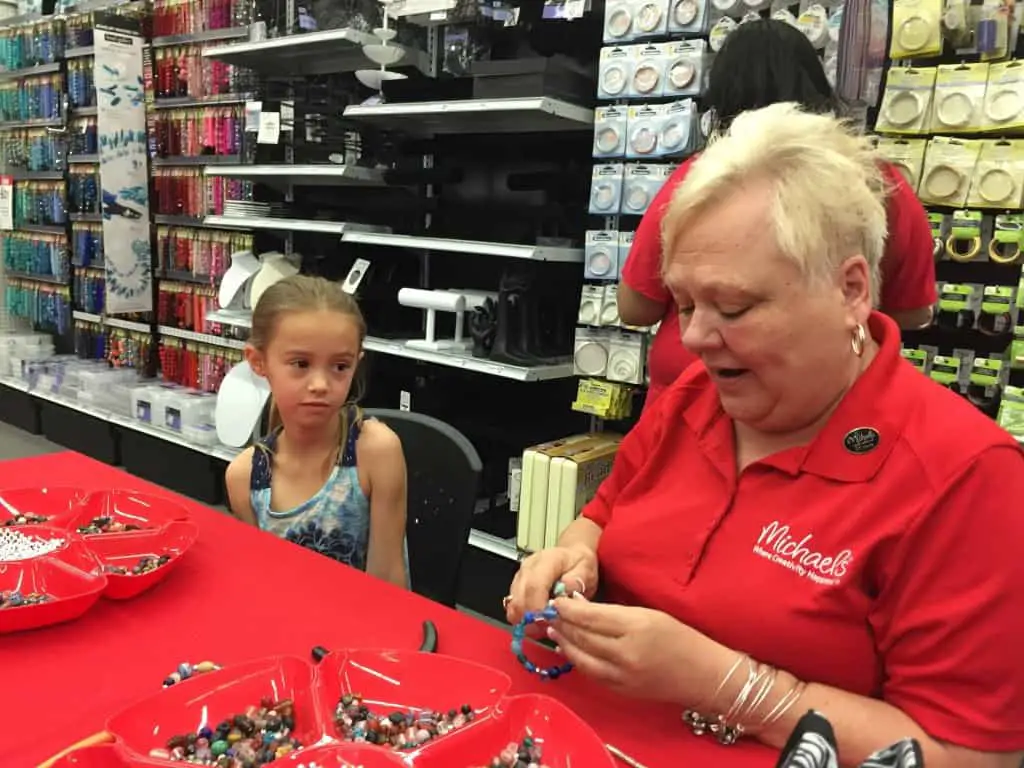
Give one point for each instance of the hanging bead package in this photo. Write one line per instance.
(28, 253)
(201, 253)
(34, 149)
(31, 45)
(46, 307)
(197, 366)
(186, 17)
(119, 348)
(31, 98)
(83, 189)
(87, 244)
(185, 305)
(82, 137)
(183, 72)
(187, 192)
(39, 202)
(81, 87)
(90, 293)
(199, 131)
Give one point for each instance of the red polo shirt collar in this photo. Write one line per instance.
(864, 415)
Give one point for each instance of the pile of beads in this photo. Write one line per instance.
(146, 564)
(17, 600)
(519, 634)
(525, 754)
(400, 730)
(250, 740)
(24, 519)
(15, 545)
(107, 524)
(186, 670)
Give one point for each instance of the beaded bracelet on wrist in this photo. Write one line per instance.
(519, 634)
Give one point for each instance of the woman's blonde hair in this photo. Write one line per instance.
(828, 189)
(304, 293)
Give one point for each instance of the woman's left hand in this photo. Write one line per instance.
(637, 651)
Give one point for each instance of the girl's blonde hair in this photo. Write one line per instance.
(304, 293)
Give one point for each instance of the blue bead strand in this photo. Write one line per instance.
(548, 614)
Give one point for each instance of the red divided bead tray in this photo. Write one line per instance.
(386, 681)
(75, 575)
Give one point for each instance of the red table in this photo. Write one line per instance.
(241, 594)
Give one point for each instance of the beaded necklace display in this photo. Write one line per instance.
(547, 614)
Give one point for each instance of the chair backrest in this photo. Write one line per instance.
(444, 477)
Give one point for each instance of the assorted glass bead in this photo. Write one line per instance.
(15, 545)
(525, 754)
(107, 524)
(400, 729)
(24, 519)
(15, 599)
(145, 564)
(547, 614)
(250, 740)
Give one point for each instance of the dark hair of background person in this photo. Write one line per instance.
(763, 63)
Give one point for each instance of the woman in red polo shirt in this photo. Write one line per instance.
(762, 63)
(802, 520)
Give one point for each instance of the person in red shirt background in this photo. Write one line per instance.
(763, 63)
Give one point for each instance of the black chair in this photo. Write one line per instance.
(444, 477)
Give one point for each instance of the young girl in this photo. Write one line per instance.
(324, 477)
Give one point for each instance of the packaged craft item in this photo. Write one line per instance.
(614, 72)
(916, 29)
(907, 101)
(1004, 97)
(948, 166)
(609, 132)
(998, 178)
(959, 98)
(907, 155)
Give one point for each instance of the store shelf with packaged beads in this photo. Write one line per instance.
(952, 122)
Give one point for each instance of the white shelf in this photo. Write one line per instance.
(236, 318)
(466, 362)
(398, 348)
(200, 338)
(221, 452)
(206, 36)
(310, 175)
(522, 115)
(505, 548)
(476, 247)
(316, 53)
(288, 225)
(111, 322)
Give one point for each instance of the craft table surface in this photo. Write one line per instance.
(241, 594)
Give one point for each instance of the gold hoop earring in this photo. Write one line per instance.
(858, 341)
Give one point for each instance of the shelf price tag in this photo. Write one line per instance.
(270, 128)
(6, 202)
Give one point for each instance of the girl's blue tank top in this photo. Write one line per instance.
(335, 521)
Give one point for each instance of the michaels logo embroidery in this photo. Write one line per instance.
(778, 544)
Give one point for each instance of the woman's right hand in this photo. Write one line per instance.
(575, 566)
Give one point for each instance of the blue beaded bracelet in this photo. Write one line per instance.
(519, 634)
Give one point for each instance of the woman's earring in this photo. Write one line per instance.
(860, 336)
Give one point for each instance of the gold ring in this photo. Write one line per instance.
(506, 600)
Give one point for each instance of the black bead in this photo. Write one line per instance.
(466, 709)
(371, 737)
(451, 714)
(289, 722)
(318, 653)
(397, 718)
(273, 725)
